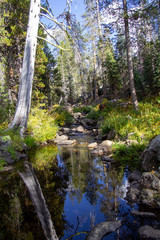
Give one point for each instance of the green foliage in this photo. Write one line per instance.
(44, 158)
(42, 125)
(128, 154)
(82, 109)
(30, 142)
(141, 126)
(61, 115)
(2, 164)
(12, 151)
(94, 114)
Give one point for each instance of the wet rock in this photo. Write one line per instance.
(101, 229)
(65, 130)
(135, 176)
(150, 158)
(143, 214)
(97, 151)
(92, 145)
(147, 232)
(150, 181)
(98, 137)
(108, 159)
(67, 142)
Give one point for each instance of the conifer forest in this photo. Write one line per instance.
(79, 119)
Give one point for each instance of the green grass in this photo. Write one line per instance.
(141, 126)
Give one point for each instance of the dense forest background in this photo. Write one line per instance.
(114, 53)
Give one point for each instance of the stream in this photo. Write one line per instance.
(73, 190)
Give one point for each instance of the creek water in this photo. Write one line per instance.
(79, 191)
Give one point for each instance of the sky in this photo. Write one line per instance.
(77, 7)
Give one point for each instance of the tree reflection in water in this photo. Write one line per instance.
(80, 191)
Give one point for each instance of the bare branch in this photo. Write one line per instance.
(44, 27)
(58, 46)
(52, 18)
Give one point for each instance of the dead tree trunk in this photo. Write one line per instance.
(26, 77)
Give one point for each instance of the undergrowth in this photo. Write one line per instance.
(141, 126)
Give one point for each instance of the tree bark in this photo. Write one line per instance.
(159, 21)
(26, 77)
(129, 58)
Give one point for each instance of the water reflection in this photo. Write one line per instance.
(80, 191)
(95, 191)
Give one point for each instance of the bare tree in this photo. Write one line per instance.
(26, 78)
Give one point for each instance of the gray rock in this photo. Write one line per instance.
(147, 232)
(135, 176)
(92, 145)
(101, 229)
(150, 181)
(143, 214)
(150, 158)
(133, 194)
(60, 138)
(106, 143)
(147, 197)
(66, 142)
(80, 129)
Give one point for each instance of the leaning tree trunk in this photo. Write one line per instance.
(129, 58)
(26, 77)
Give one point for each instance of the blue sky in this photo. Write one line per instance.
(77, 7)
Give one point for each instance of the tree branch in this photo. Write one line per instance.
(58, 46)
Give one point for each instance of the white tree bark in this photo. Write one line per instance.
(26, 78)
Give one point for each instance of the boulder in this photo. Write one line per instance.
(150, 181)
(135, 176)
(147, 197)
(92, 145)
(133, 193)
(147, 232)
(103, 228)
(150, 158)
(80, 129)
(60, 138)
(106, 143)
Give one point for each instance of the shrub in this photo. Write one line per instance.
(61, 115)
(41, 125)
(83, 109)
